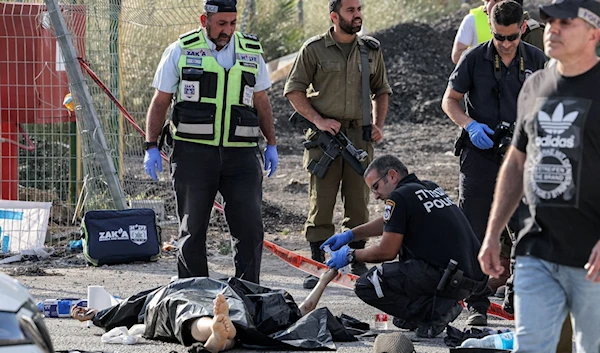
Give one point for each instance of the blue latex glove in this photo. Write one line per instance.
(152, 161)
(339, 259)
(271, 159)
(336, 241)
(478, 133)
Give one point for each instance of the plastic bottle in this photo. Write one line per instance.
(59, 308)
(5, 243)
(499, 341)
(342, 270)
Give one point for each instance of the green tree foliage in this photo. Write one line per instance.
(277, 28)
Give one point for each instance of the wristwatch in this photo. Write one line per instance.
(149, 145)
(350, 257)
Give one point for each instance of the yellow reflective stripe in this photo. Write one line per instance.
(482, 27)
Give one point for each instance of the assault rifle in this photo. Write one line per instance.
(332, 146)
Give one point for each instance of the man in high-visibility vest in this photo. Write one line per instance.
(473, 30)
(217, 80)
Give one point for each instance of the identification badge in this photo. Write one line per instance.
(248, 96)
(190, 91)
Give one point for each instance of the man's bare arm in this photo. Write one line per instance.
(451, 106)
(157, 113)
(370, 229)
(457, 50)
(310, 303)
(509, 191)
(265, 116)
(386, 250)
(380, 109)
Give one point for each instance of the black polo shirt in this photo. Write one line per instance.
(434, 228)
(474, 77)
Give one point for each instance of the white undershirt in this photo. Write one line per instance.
(467, 32)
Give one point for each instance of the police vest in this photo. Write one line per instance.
(214, 106)
(482, 27)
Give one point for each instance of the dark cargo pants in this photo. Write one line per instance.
(476, 194)
(407, 290)
(198, 172)
(323, 192)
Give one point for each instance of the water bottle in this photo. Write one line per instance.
(500, 341)
(60, 308)
(5, 243)
(342, 270)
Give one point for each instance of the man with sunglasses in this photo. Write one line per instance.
(554, 161)
(426, 229)
(532, 31)
(489, 78)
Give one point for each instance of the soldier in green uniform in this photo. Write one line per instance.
(324, 86)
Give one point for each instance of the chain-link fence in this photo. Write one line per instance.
(48, 154)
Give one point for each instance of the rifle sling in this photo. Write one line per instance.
(366, 101)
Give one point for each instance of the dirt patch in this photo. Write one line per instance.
(30, 270)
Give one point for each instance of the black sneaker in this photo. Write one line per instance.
(477, 317)
(310, 282)
(358, 269)
(403, 324)
(433, 329)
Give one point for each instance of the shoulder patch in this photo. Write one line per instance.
(313, 39)
(250, 36)
(371, 42)
(388, 210)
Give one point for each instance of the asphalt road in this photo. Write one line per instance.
(124, 280)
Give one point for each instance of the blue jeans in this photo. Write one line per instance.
(544, 293)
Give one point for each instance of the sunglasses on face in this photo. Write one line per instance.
(509, 38)
(375, 185)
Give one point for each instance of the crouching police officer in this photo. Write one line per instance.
(422, 225)
(220, 108)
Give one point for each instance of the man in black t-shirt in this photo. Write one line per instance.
(422, 225)
(555, 162)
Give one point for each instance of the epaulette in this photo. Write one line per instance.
(533, 24)
(371, 42)
(250, 37)
(313, 39)
(189, 38)
(188, 33)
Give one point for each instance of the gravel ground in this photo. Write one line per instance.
(124, 280)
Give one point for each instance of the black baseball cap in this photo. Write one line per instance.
(587, 10)
(213, 6)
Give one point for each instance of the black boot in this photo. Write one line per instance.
(318, 255)
(358, 268)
